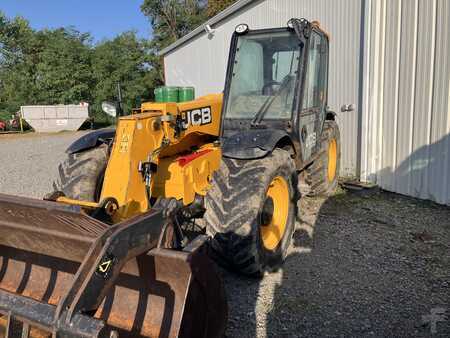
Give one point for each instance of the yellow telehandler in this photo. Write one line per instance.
(121, 246)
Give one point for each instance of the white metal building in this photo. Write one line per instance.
(391, 58)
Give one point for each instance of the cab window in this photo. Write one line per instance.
(316, 73)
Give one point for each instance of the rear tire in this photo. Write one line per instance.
(322, 175)
(234, 204)
(81, 174)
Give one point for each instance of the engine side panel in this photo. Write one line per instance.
(182, 177)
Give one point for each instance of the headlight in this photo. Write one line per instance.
(241, 29)
(109, 108)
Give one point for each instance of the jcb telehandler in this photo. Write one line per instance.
(120, 248)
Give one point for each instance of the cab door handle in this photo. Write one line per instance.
(348, 107)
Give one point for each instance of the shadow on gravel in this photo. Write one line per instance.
(364, 263)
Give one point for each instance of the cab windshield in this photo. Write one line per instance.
(264, 76)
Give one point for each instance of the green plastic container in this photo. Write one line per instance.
(186, 94)
(166, 94)
(170, 94)
(158, 95)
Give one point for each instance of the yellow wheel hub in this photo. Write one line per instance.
(332, 160)
(278, 195)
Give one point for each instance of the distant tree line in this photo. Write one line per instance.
(64, 66)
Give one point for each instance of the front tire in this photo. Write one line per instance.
(81, 174)
(250, 212)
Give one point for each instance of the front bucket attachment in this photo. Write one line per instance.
(63, 273)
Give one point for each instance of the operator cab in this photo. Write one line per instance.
(275, 77)
(264, 75)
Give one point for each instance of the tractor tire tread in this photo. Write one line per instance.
(232, 206)
(80, 172)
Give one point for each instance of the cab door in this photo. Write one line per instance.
(314, 95)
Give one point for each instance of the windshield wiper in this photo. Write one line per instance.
(256, 122)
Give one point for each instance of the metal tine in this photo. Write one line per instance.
(15, 328)
(26, 330)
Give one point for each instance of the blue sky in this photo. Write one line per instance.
(102, 18)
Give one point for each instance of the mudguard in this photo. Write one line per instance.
(253, 144)
(91, 140)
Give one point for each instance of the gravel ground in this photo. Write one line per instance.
(366, 263)
(363, 264)
(29, 162)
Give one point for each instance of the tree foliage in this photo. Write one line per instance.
(125, 60)
(171, 19)
(42, 67)
(216, 6)
(64, 66)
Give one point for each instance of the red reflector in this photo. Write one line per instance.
(183, 160)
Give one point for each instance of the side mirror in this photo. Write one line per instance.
(109, 108)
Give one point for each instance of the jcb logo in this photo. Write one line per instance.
(196, 117)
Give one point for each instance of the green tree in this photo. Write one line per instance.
(125, 60)
(62, 66)
(63, 72)
(216, 6)
(42, 67)
(17, 41)
(171, 19)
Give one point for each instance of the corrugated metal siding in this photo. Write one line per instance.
(201, 62)
(408, 109)
(389, 57)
